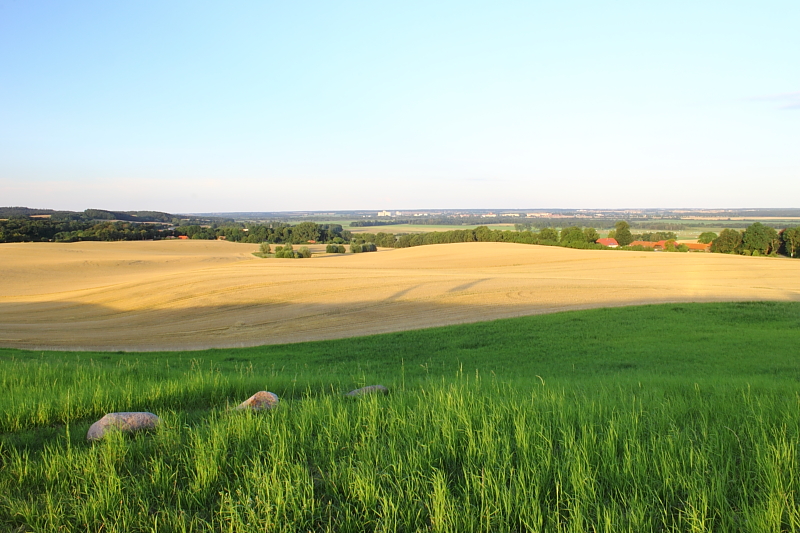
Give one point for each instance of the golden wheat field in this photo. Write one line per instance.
(200, 294)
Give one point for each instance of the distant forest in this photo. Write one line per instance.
(27, 229)
(103, 214)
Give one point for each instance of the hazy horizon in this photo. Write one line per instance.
(312, 106)
(406, 211)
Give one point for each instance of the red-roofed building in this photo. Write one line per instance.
(611, 243)
(698, 247)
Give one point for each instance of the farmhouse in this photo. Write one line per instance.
(611, 243)
(698, 247)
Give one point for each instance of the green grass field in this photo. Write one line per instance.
(655, 418)
(424, 228)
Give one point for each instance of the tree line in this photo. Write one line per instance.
(25, 229)
(274, 233)
(758, 239)
(572, 237)
(45, 230)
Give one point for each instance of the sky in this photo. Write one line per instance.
(271, 106)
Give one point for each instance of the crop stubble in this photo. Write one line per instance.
(201, 294)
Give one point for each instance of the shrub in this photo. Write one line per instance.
(285, 252)
(304, 251)
(365, 247)
(264, 248)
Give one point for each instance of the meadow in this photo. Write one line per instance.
(423, 228)
(677, 417)
(179, 295)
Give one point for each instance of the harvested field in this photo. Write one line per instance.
(199, 294)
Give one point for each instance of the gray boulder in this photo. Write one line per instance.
(260, 401)
(125, 422)
(371, 389)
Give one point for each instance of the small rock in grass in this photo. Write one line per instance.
(260, 401)
(125, 422)
(371, 389)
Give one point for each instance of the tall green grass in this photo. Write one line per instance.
(602, 424)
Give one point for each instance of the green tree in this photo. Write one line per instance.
(483, 234)
(728, 242)
(304, 252)
(524, 226)
(591, 235)
(622, 232)
(572, 235)
(548, 234)
(305, 231)
(264, 248)
(760, 238)
(707, 237)
(791, 241)
(385, 240)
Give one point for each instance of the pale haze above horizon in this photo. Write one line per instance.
(274, 106)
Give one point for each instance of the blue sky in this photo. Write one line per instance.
(262, 106)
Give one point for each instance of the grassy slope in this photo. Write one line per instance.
(683, 340)
(677, 416)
